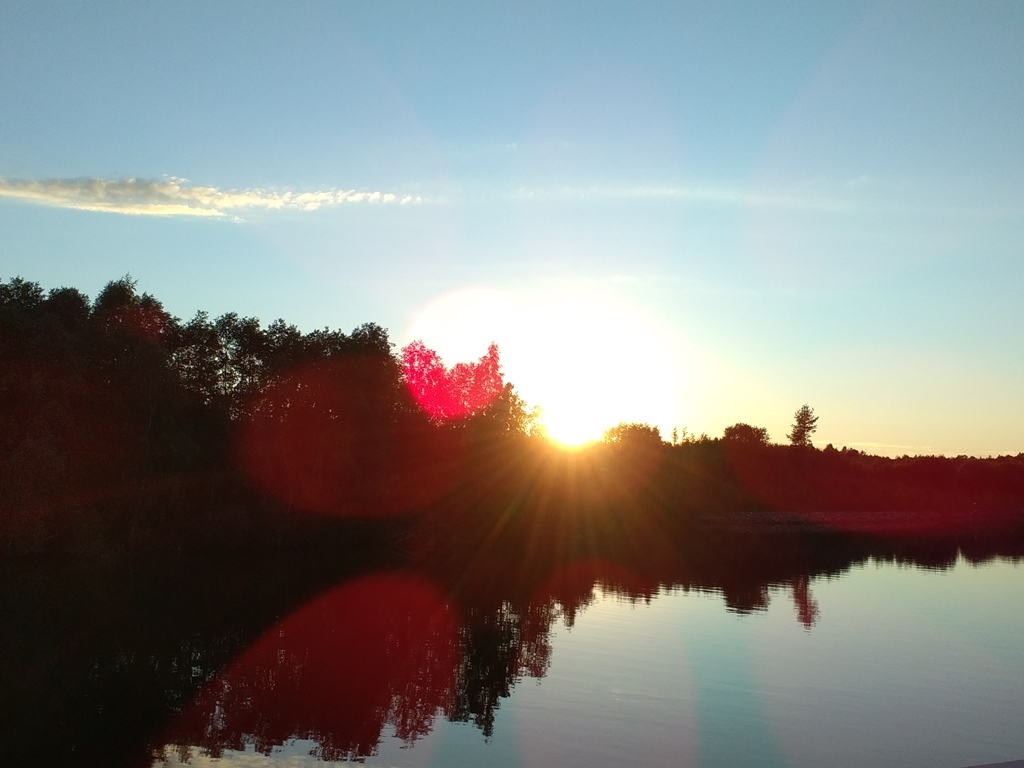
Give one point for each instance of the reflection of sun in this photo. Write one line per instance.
(588, 361)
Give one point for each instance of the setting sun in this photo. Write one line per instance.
(569, 430)
(588, 360)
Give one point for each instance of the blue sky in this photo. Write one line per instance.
(689, 214)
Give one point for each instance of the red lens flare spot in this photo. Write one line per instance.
(451, 393)
(381, 651)
(317, 442)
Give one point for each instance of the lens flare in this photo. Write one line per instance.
(451, 393)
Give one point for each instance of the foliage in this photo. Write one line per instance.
(804, 425)
(99, 396)
(744, 434)
(464, 390)
(507, 414)
(683, 436)
(633, 435)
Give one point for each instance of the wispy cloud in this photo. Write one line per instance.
(173, 196)
(177, 197)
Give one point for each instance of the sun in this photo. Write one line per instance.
(570, 431)
(585, 357)
(569, 425)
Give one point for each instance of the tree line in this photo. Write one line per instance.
(115, 416)
(105, 400)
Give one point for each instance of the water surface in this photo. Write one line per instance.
(882, 665)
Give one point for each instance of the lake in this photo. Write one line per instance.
(880, 663)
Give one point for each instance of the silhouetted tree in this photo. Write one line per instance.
(68, 306)
(118, 305)
(633, 435)
(804, 424)
(247, 347)
(508, 415)
(200, 360)
(746, 434)
(20, 295)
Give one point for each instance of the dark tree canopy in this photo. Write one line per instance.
(633, 434)
(746, 435)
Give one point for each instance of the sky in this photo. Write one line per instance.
(687, 214)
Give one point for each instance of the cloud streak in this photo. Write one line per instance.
(176, 197)
(173, 196)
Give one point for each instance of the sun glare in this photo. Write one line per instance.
(587, 360)
(569, 431)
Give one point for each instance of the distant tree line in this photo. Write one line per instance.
(744, 472)
(116, 417)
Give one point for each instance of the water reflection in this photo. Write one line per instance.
(806, 606)
(258, 655)
(377, 651)
(395, 653)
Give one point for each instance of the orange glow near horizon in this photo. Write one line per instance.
(570, 440)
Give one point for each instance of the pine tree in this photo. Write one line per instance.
(805, 422)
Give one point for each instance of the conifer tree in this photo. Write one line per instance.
(804, 425)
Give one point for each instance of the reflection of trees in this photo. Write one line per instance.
(390, 652)
(378, 653)
(501, 645)
(806, 605)
(371, 653)
(383, 652)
